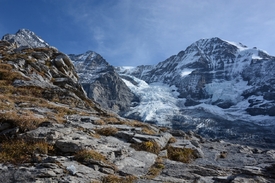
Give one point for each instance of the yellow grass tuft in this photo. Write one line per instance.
(86, 155)
(149, 146)
(107, 131)
(185, 155)
(117, 179)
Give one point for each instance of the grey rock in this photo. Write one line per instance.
(161, 139)
(67, 146)
(163, 153)
(138, 163)
(25, 38)
(102, 83)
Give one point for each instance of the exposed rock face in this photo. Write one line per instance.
(25, 38)
(102, 83)
(46, 68)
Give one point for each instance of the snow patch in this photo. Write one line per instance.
(186, 72)
(240, 46)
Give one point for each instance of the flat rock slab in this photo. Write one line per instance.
(137, 163)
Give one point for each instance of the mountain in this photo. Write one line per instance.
(51, 132)
(25, 38)
(102, 83)
(98, 78)
(225, 83)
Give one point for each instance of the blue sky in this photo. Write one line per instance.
(136, 32)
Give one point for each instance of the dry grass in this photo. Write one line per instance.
(149, 146)
(10, 75)
(172, 140)
(6, 103)
(25, 120)
(107, 131)
(19, 151)
(117, 179)
(113, 120)
(147, 130)
(185, 155)
(155, 169)
(86, 155)
(4, 66)
(99, 122)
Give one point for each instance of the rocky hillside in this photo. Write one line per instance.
(102, 83)
(51, 132)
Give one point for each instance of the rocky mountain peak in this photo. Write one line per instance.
(101, 82)
(25, 38)
(90, 60)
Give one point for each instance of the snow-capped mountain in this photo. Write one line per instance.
(102, 83)
(216, 72)
(215, 87)
(212, 84)
(25, 38)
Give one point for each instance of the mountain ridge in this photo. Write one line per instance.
(51, 132)
(220, 86)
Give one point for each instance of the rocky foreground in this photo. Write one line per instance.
(51, 132)
(127, 151)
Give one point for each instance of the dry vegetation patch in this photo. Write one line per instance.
(155, 169)
(185, 155)
(149, 146)
(25, 120)
(107, 131)
(86, 155)
(172, 140)
(117, 179)
(19, 151)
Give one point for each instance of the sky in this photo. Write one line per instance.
(140, 32)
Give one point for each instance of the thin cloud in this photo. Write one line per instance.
(146, 32)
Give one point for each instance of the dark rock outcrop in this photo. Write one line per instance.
(102, 83)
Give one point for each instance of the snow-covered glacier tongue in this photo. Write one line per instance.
(158, 101)
(218, 88)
